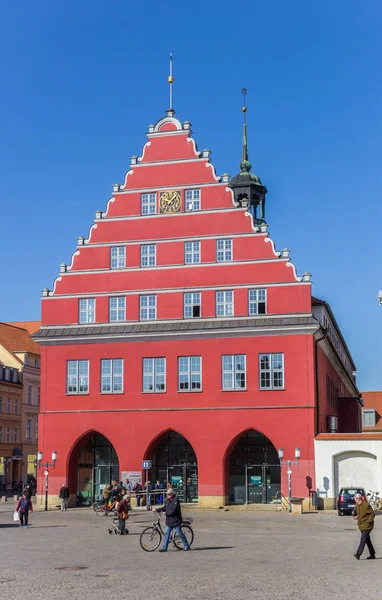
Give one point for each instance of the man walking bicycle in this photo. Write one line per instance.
(173, 520)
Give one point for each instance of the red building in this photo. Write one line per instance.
(180, 335)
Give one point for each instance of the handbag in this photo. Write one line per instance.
(124, 516)
(16, 516)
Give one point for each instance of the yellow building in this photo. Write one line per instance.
(19, 360)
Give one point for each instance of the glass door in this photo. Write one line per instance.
(255, 493)
(191, 478)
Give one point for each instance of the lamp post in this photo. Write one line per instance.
(47, 465)
(7, 462)
(289, 463)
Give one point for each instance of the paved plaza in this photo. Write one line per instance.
(237, 555)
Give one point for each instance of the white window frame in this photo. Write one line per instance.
(149, 204)
(368, 412)
(112, 382)
(147, 309)
(190, 374)
(86, 307)
(233, 373)
(28, 429)
(224, 250)
(257, 298)
(223, 304)
(29, 395)
(151, 377)
(9, 406)
(117, 309)
(81, 380)
(117, 257)
(192, 252)
(15, 435)
(192, 200)
(8, 435)
(191, 299)
(148, 255)
(16, 406)
(271, 370)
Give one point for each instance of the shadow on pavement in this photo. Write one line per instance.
(12, 525)
(213, 548)
(43, 526)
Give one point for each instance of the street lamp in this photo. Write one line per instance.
(46, 465)
(7, 462)
(289, 463)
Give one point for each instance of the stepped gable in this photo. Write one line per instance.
(171, 161)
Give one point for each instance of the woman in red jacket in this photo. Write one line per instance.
(24, 505)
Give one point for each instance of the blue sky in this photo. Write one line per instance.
(82, 80)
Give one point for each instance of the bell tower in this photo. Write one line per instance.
(247, 187)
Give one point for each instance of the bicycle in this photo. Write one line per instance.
(374, 500)
(151, 537)
(102, 509)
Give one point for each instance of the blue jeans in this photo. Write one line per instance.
(178, 529)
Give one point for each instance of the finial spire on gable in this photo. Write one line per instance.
(245, 165)
(171, 111)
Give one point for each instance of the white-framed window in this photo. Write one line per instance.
(112, 376)
(28, 429)
(87, 310)
(16, 407)
(77, 380)
(117, 309)
(148, 204)
(16, 435)
(148, 308)
(234, 372)
(368, 417)
(257, 302)
(117, 257)
(148, 255)
(29, 395)
(36, 430)
(154, 375)
(192, 305)
(189, 373)
(9, 406)
(223, 250)
(224, 304)
(192, 198)
(8, 435)
(191, 253)
(271, 369)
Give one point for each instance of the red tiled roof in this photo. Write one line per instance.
(16, 339)
(30, 326)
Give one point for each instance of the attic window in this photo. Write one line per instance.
(368, 417)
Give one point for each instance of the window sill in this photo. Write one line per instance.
(190, 391)
(111, 393)
(236, 390)
(272, 389)
(153, 392)
(77, 394)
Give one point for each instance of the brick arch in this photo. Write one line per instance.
(74, 453)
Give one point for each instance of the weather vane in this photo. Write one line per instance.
(244, 109)
(171, 81)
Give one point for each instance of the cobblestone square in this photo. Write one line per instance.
(236, 555)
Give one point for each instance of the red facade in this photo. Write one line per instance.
(239, 356)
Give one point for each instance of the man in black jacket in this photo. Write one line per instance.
(64, 497)
(173, 520)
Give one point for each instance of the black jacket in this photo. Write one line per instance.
(64, 493)
(173, 512)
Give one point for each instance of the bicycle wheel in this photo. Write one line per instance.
(189, 535)
(150, 539)
(100, 511)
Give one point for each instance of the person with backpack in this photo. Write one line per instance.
(23, 507)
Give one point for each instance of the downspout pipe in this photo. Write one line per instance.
(316, 342)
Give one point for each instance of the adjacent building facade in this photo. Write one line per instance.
(180, 335)
(19, 402)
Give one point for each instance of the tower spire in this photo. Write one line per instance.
(170, 111)
(245, 165)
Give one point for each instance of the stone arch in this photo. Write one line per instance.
(355, 468)
(110, 459)
(174, 462)
(252, 468)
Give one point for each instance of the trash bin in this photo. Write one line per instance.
(314, 499)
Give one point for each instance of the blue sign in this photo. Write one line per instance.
(146, 464)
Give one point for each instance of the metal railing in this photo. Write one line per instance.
(284, 502)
